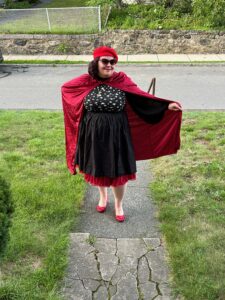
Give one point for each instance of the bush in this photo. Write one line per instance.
(6, 210)
(19, 4)
(9, 4)
(181, 6)
(117, 3)
(212, 11)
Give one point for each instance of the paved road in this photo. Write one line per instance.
(196, 87)
(7, 16)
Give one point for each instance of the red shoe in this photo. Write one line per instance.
(120, 218)
(101, 209)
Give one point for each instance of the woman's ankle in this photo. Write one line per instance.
(119, 210)
(118, 204)
(102, 200)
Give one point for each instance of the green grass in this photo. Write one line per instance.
(19, 5)
(12, 29)
(189, 189)
(71, 21)
(47, 201)
(155, 17)
(67, 3)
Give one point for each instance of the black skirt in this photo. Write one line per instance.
(104, 146)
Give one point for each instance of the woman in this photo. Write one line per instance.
(110, 123)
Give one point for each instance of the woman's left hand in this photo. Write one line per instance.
(174, 106)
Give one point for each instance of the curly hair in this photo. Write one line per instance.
(93, 68)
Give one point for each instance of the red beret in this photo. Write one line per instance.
(105, 51)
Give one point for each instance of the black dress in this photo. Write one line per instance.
(105, 152)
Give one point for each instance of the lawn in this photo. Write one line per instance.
(61, 21)
(47, 201)
(67, 3)
(189, 191)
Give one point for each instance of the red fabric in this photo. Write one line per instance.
(105, 51)
(149, 140)
(106, 181)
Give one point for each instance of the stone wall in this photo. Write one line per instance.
(124, 41)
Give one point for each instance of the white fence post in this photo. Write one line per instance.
(99, 18)
(49, 24)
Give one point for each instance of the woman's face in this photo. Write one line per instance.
(105, 68)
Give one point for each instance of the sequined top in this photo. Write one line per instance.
(105, 98)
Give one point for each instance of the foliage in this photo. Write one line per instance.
(212, 11)
(163, 14)
(151, 17)
(181, 6)
(6, 210)
(63, 48)
(116, 3)
(67, 3)
(184, 14)
(17, 5)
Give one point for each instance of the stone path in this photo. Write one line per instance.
(116, 269)
(118, 261)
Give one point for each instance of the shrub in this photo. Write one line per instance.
(212, 11)
(6, 210)
(181, 6)
(63, 48)
(117, 3)
(9, 4)
(19, 4)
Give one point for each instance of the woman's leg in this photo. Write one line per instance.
(103, 195)
(119, 192)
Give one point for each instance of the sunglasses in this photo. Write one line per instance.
(106, 61)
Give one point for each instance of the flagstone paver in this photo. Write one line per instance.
(116, 269)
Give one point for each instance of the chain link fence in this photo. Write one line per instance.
(51, 20)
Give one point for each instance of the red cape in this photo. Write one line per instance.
(149, 140)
